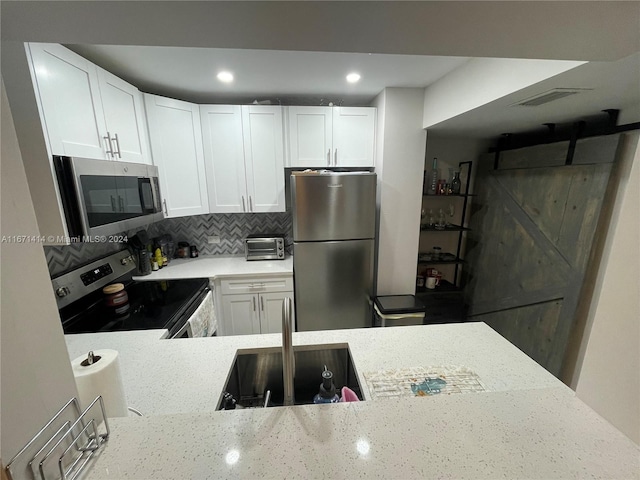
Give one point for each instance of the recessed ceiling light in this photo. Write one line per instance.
(353, 77)
(225, 77)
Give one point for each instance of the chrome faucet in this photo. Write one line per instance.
(288, 360)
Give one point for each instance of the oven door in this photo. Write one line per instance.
(198, 320)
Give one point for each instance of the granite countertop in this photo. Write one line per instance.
(542, 433)
(527, 423)
(214, 266)
(187, 375)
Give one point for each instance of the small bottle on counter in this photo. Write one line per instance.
(158, 257)
(194, 251)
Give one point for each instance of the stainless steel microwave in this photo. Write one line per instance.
(264, 247)
(102, 197)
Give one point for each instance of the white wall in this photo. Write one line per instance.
(400, 163)
(609, 360)
(36, 372)
(483, 80)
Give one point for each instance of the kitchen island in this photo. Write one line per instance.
(527, 423)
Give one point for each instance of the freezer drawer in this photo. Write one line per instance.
(333, 284)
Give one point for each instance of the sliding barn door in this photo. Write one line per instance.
(534, 223)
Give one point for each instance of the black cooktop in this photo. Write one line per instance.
(155, 304)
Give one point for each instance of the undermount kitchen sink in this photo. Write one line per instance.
(256, 371)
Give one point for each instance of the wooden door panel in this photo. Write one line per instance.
(531, 328)
(530, 246)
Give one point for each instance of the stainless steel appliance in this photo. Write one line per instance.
(102, 197)
(334, 239)
(264, 247)
(167, 304)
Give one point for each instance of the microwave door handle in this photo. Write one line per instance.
(121, 202)
(116, 140)
(113, 203)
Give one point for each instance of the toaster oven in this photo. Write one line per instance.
(264, 247)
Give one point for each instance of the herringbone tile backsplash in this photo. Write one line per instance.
(231, 227)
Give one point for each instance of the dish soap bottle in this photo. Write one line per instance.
(327, 393)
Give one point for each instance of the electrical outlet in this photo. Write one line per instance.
(213, 239)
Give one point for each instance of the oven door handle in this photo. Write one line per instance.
(186, 328)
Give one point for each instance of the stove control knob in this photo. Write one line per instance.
(63, 291)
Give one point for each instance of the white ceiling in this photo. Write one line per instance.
(608, 85)
(312, 78)
(290, 76)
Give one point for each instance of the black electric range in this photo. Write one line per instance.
(152, 304)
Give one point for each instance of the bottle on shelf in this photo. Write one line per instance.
(456, 183)
(435, 176)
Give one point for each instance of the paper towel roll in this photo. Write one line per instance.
(102, 377)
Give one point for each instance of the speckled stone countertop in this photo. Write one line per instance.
(188, 375)
(542, 433)
(214, 266)
(527, 425)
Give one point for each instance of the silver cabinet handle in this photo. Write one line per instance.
(335, 157)
(329, 158)
(121, 203)
(243, 209)
(166, 211)
(117, 142)
(254, 303)
(109, 150)
(250, 204)
(262, 303)
(113, 203)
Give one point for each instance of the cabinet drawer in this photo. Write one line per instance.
(256, 285)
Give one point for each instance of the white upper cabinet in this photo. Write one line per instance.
(69, 101)
(310, 136)
(224, 158)
(176, 145)
(354, 136)
(331, 136)
(263, 133)
(244, 158)
(86, 111)
(124, 116)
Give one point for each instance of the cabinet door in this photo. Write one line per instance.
(354, 136)
(310, 136)
(262, 132)
(124, 116)
(271, 311)
(224, 158)
(69, 100)
(240, 314)
(176, 145)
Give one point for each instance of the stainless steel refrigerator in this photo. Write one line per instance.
(334, 225)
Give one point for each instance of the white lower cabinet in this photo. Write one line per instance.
(259, 310)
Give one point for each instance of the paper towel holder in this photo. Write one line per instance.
(72, 428)
(91, 359)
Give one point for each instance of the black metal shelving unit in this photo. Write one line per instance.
(448, 293)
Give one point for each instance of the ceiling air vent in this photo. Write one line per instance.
(549, 96)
